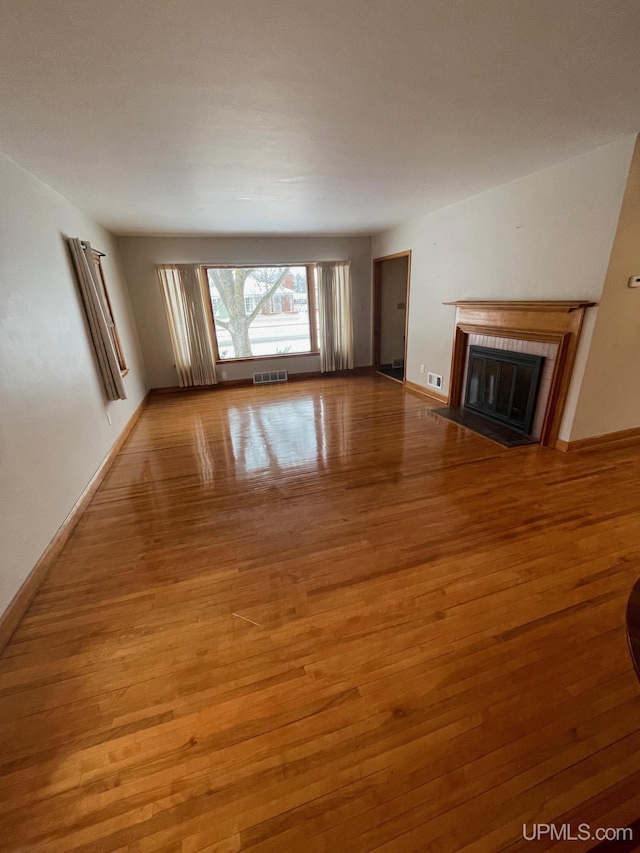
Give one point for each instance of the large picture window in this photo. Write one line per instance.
(263, 311)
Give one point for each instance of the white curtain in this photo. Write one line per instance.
(190, 319)
(99, 317)
(336, 324)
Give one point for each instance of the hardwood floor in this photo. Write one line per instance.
(318, 617)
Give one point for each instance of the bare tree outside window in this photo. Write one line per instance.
(262, 311)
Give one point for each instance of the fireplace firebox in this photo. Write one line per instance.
(503, 386)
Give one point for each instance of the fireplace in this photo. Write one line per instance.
(552, 328)
(503, 385)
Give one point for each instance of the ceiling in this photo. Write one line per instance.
(305, 116)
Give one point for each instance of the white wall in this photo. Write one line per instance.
(53, 427)
(545, 236)
(393, 292)
(609, 398)
(141, 254)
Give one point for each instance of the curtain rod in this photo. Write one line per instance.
(84, 246)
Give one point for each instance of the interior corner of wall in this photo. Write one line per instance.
(568, 425)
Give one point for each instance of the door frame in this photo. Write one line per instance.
(377, 307)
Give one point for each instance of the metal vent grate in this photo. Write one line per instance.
(270, 377)
(397, 363)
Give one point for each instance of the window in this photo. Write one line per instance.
(97, 257)
(261, 312)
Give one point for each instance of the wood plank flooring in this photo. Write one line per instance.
(318, 617)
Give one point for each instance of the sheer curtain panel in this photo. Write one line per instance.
(188, 308)
(98, 317)
(336, 324)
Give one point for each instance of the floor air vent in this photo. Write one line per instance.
(270, 377)
(397, 363)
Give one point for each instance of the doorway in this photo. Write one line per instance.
(391, 279)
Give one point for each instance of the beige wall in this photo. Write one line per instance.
(545, 236)
(393, 287)
(609, 398)
(54, 429)
(141, 254)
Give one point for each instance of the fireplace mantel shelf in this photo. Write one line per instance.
(566, 307)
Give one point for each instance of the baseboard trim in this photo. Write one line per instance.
(19, 604)
(425, 392)
(625, 436)
(293, 377)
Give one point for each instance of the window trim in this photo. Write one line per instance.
(311, 296)
(122, 364)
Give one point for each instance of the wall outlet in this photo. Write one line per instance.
(422, 368)
(634, 281)
(224, 374)
(108, 414)
(434, 380)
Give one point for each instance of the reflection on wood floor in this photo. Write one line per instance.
(318, 617)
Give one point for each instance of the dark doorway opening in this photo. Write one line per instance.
(393, 372)
(391, 275)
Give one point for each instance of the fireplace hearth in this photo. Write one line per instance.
(503, 385)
